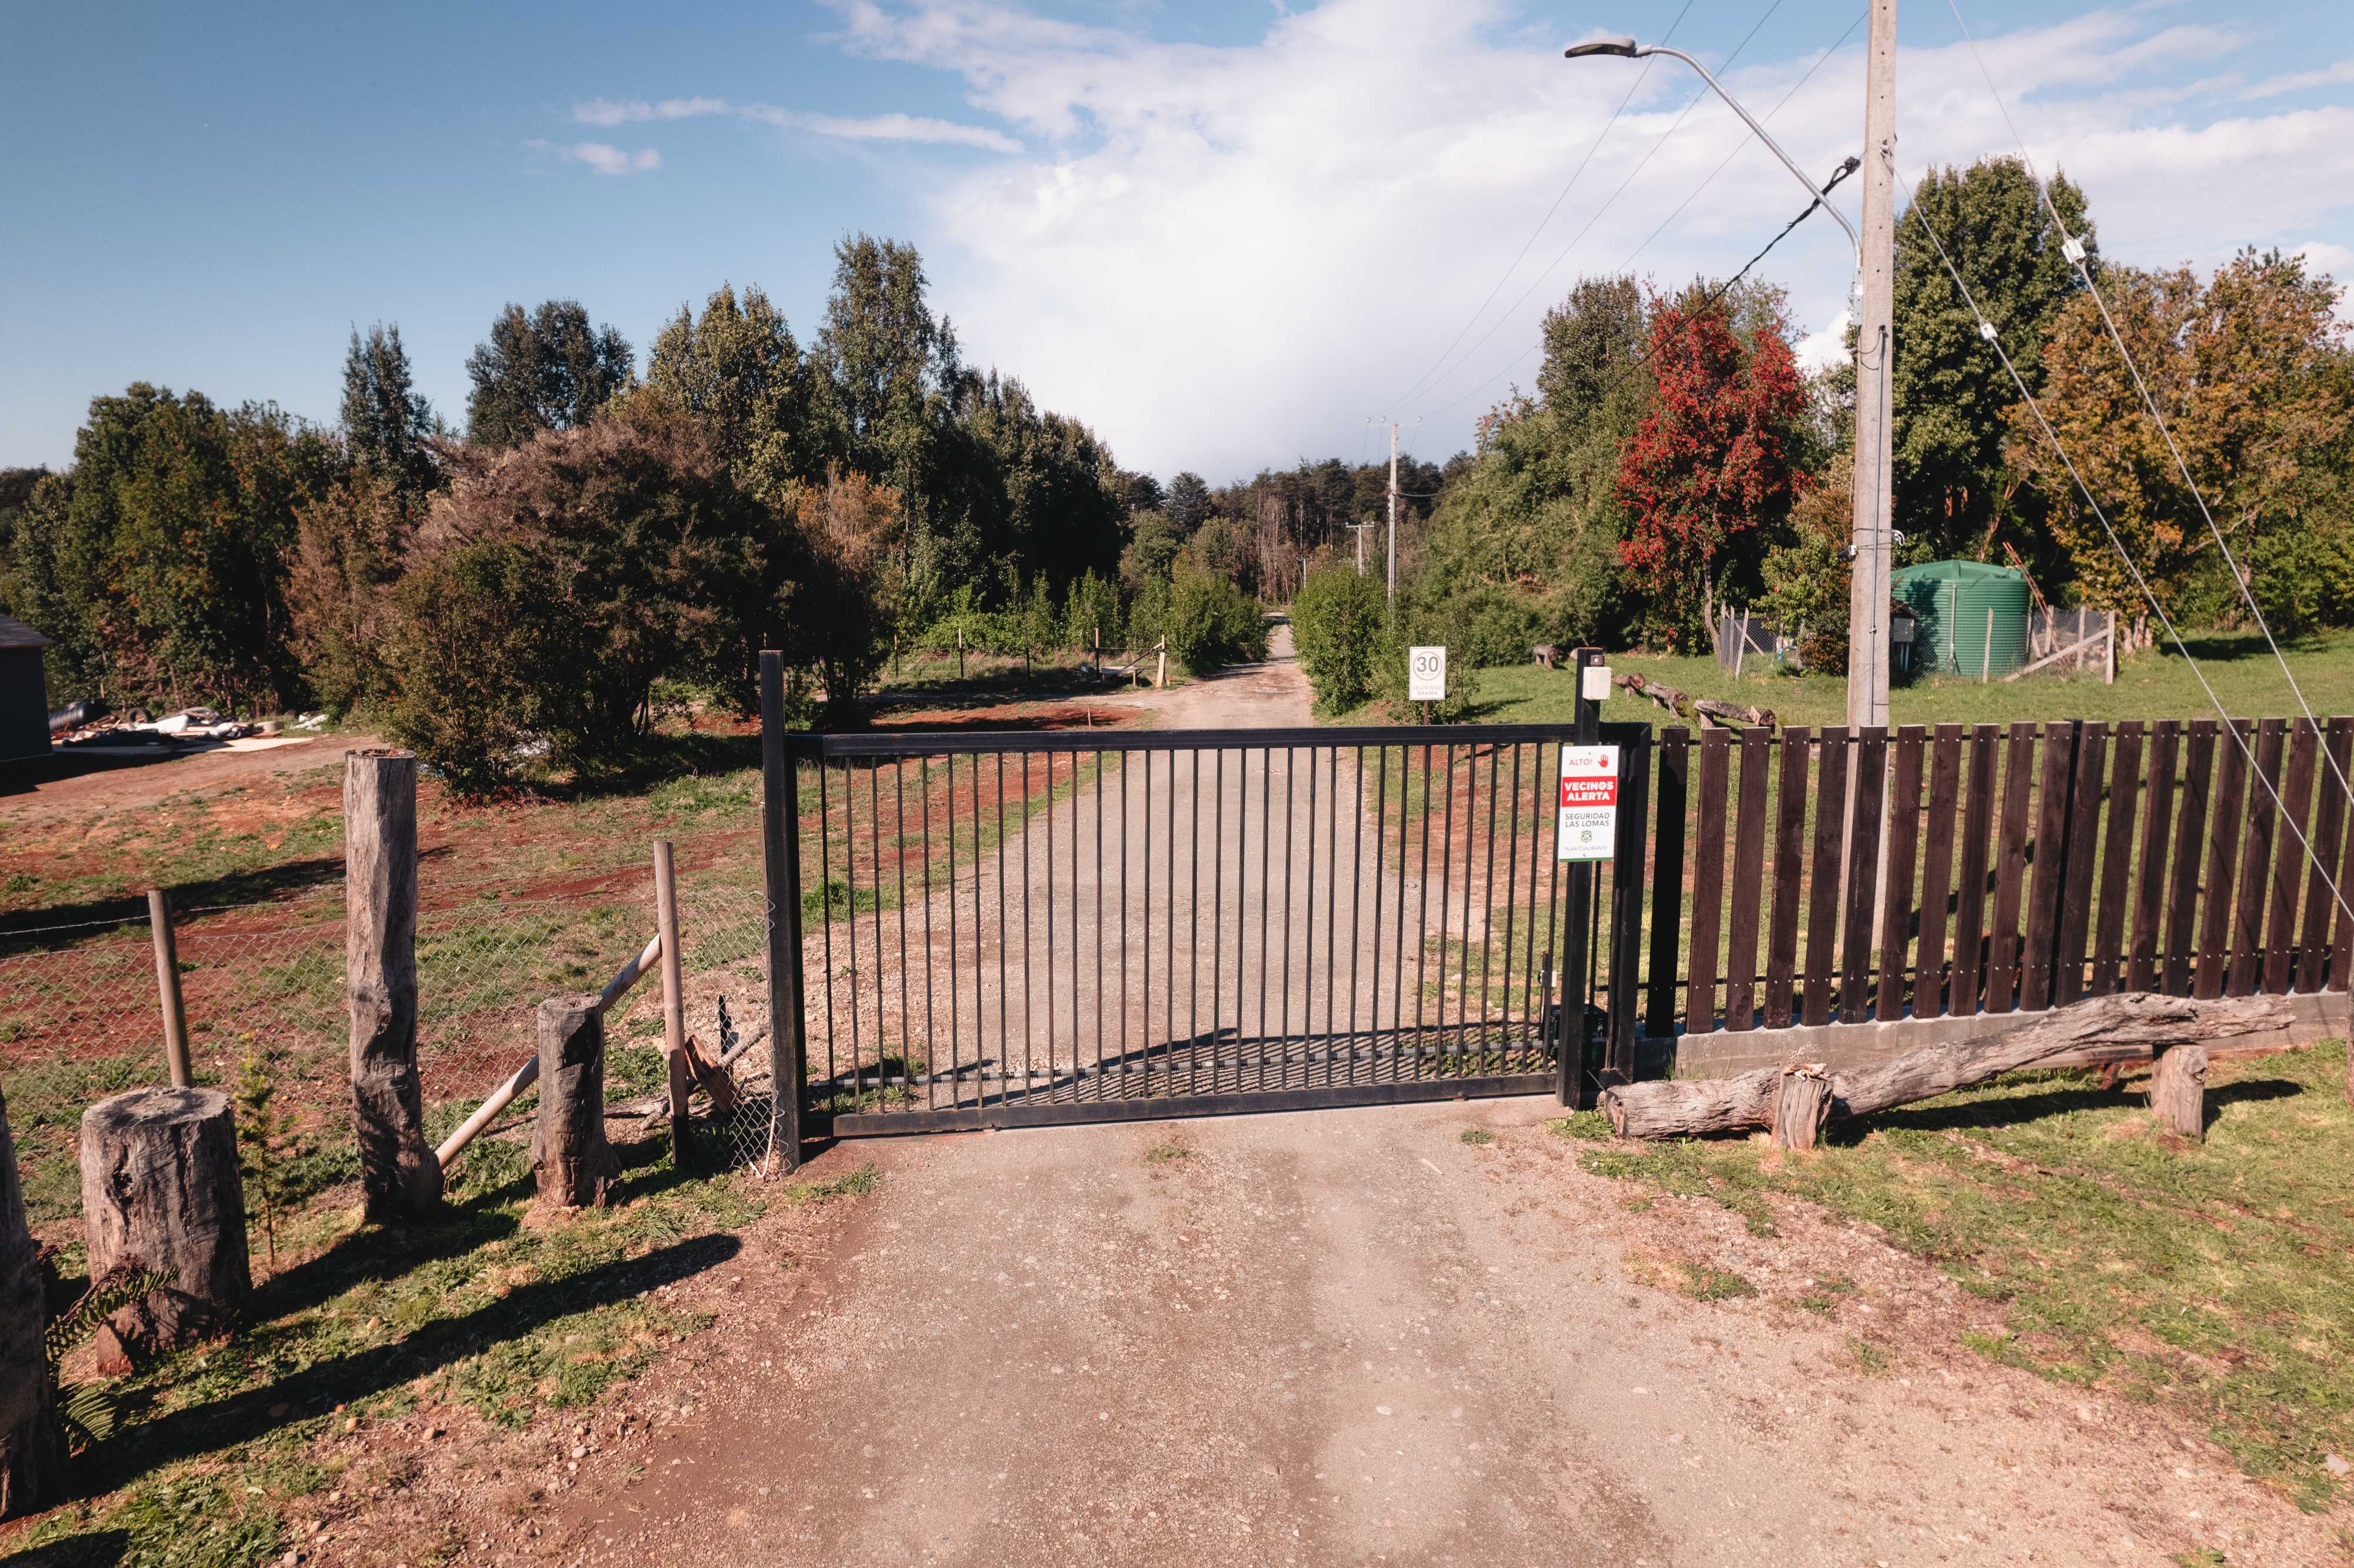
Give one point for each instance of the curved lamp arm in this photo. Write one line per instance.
(1628, 49)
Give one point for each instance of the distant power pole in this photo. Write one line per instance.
(1393, 500)
(1359, 530)
(1873, 538)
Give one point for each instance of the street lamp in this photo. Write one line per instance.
(1627, 49)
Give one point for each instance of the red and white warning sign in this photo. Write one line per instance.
(1588, 828)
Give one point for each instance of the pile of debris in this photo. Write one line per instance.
(88, 723)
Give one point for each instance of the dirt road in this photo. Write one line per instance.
(1351, 1336)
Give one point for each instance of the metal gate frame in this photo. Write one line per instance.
(1603, 1052)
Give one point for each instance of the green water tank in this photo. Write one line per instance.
(1962, 606)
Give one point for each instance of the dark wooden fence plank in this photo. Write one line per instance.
(1903, 850)
(1667, 885)
(2223, 834)
(2144, 970)
(1969, 914)
(1822, 891)
(1747, 895)
(2341, 949)
(2116, 857)
(1938, 870)
(2328, 820)
(2049, 867)
(2080, 853)
(2011, 869)
(1708, 883)
(1868, 789)
(2247, 961)
(2288, 856)
(2190, 850)
(1782, 942)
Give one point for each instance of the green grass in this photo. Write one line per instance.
(2208, 1280)
(2150, 687)
(1477, 1137)
(476, 1310)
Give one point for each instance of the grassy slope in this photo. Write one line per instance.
(2209, 1280)
(2154, 686)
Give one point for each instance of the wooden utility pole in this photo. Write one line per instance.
(1394, 500)
(1868, 650)
(1359, 530)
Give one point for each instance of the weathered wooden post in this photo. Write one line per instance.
(32, 1455)
(400, 1178)
(160, 1190)
(2177, 1090)
(1802, 1106)
(167, 989)
(574, 1162)
(673, 999)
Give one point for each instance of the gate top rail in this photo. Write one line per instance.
(939, 743)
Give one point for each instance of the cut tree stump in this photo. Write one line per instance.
(1802, 1106)
(32, 1453)
(400, 1178)
(160, 1190)
(1693, 1108)
(2177, 1090)
(569, 1152)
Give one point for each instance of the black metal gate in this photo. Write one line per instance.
(1009, 929)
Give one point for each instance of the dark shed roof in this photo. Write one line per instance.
(16, 634)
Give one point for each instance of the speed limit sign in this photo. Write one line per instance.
(1426, 674)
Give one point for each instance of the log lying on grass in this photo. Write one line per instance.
(1700, 710)
(1688, 1108)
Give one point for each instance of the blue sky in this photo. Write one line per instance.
(1224, 235)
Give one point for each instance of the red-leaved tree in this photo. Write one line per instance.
(1710, 473)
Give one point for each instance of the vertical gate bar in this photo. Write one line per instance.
(1169, 865)
(1265, 863)
(1103, 760)
(1332, 903)
(2224, 836)
(1863, 834)
(2054, 810)
(1029, 1082)
(1937, 870)
(1836, 756)
(980, 925)
(1219, 912)
(1307, 960)
(780, 857)
(1356, 898)
(875, 854)
(2189, 848)
(1969, 914)
(1487, 912)
(1422, 926)
(1004, 1030)
(850, 925)
(1290, 778)
(1789, 826)
(1029, 964)
(2011, 869)
(2328, 821)
(2255, 862)
(1098, 794)
(2341, 950)
(2296, 802)
(931, 1023)
(1904, 836)
(1556, 937)
(2084, 840)
(1746, 901)
(826, 905)
(1079, 1080)
(1193, 929)
(2143, 969)
(899, 859)
(1707, 895)
(1502, 1034)
(1667, 887)
(956, 1004)
(1532, 997)
(1627, 899)
(2117, 856)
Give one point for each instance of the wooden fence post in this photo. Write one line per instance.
(160, 1189)
(400, 1178)
(167, 988)
(673, 985)
(2177, 1090)
(575, 1163)
(32, 1453)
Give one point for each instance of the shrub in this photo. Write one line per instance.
(1339, 626)
(1212, 622)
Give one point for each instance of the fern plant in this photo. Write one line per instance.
(89, 1413)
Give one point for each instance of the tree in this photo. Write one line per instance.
(1187, 503)
(388, 428)
(1153, 544)
(737, 372)
(1955, 484)
(1043, 493)
(350, 546)
(1592, 345)
(2250, 372)
(1806, 579)
(159, 565)
(1712, 468)
(1340, 623)
(543, 370)
(851, 525)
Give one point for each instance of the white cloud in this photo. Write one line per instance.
(2302, 80)
(603, 158)
(1224, 256)
(867, 127)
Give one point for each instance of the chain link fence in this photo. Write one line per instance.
(82, 1014)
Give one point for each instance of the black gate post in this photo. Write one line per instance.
(1577, 970)
(1626, 897)
(780, 861)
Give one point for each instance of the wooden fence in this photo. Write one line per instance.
(2025, 866)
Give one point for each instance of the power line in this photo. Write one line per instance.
(2080, 260)
(1608, 202)
(1529, 243)
(1994, 341)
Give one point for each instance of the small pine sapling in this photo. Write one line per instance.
(266, 1138)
